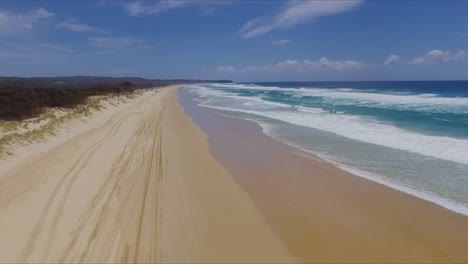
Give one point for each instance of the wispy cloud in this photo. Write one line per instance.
(74, 26)
(11, 23)
(142, 8)
(33, 52)
(294, 13)
(439, 56)
(138, 8)
(392, 59)
(280, 42)
(322, 64)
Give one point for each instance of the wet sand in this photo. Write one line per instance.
(322, 213)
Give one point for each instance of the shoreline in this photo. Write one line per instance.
(343, 197)
(350, 138)
(446, 203)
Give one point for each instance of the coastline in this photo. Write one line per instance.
(323, 213)
(159, 179)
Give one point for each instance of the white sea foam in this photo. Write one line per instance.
(382, 98)
(350, 126)
(412, 190)
(349, 96)
(309, 109)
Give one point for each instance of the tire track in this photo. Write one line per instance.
(118, 217)
(145, 132)
(138, 143)
(156, 149)
(83, 160)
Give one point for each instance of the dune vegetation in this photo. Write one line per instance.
(30, 115)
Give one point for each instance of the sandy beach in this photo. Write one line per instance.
(155, 181)
(136, 185)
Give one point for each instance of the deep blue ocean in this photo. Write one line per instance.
(409, 135)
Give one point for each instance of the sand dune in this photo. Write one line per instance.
(139, 187)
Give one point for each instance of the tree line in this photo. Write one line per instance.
(20, 103)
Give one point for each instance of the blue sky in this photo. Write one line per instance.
(239, 40)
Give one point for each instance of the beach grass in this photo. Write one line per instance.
(23, 132)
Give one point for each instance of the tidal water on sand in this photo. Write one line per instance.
(412, 136)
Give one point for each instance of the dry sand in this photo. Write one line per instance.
(137, 184)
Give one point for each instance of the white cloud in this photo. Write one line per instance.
(440, 56)
(392, 58)
(116, 42)
(322, 64)
(280, 42)
(42, 13)
(326, 64)
(143, 8)
(296, 12)
(77, 27)
(12, 23)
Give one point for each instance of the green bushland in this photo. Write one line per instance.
(21, 103)
(21, 108)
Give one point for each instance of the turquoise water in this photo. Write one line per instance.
(412, 136)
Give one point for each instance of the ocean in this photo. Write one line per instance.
(408, 135)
